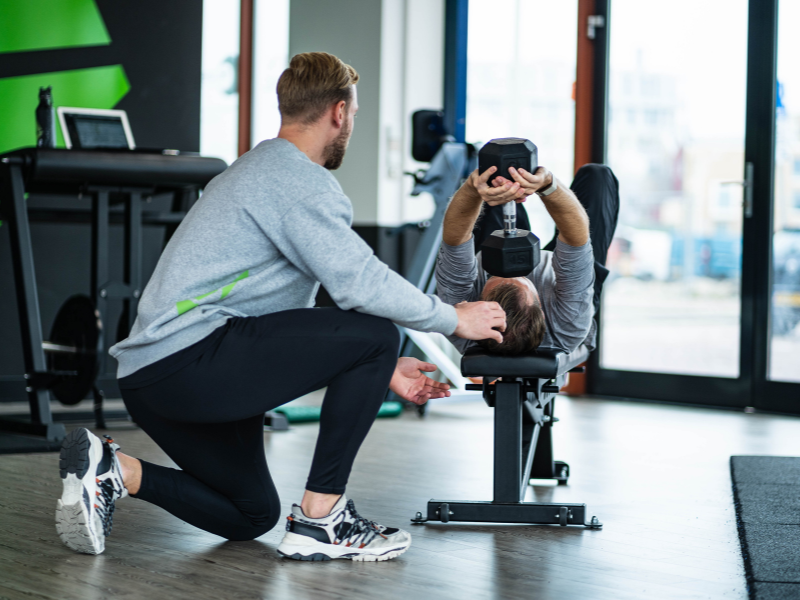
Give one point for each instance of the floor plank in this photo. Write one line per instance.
(656, 475)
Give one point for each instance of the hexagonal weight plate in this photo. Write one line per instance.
(508, 152)
(510, 255)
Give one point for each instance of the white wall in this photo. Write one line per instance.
(424, 88)
(397, 47)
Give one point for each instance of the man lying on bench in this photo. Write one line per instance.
(554, 306)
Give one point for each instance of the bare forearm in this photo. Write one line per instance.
(461, 215)
(569, 215)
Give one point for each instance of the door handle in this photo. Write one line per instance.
(747, 184)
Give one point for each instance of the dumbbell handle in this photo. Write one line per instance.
(510, 218)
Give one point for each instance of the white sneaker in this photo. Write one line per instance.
(342, 534)
(92, 480)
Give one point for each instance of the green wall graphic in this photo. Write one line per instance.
(41, 24)
(98, 87)
(47, 24)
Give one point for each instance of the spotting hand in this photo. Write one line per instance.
(480, 321)
(410, 384)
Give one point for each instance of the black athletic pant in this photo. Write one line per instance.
(597, 188)
(204, 406)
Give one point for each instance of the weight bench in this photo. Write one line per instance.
(523, 399)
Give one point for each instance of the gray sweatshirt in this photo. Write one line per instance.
(564, 280)
(260, 240)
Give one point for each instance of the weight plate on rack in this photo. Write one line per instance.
(76, 325)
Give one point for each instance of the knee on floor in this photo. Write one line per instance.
(257, 528)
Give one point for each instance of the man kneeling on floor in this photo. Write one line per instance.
(552, 307)
(224, 333)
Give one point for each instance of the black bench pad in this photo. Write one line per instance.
(544, 363)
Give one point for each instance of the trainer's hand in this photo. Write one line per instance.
(495, 194)
(529, 182)
(410, 384)
(480, 321)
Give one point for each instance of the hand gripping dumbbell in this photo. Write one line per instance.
(509, 252)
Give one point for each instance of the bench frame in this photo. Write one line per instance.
(523, 449)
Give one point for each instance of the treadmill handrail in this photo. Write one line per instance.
(97, 167)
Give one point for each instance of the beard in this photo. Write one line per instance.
(334, 152)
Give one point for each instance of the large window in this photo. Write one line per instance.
(219, 103)
(270, 58)
(219, 113)
(520, 81)
(675, 138)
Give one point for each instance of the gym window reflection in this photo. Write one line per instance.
(520, 75)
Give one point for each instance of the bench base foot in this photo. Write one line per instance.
(532, 513)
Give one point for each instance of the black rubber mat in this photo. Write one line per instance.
(766, 492)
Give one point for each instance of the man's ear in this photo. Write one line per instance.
(339, 113)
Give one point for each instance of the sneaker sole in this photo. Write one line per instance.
(73, 519)
(306, 553)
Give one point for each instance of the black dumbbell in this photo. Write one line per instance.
(509, 252)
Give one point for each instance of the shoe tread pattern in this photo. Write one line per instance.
(73, 529)
(318, 556)
(74, 456)
(311, 557)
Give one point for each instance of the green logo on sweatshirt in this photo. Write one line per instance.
(187, 305)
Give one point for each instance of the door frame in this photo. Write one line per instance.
(776, 396)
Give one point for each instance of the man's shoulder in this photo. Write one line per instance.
(281, 158)
(277, 169)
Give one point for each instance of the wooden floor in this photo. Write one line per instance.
(656, 475)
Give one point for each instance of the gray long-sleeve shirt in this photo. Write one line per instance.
(260, 240)
(564, 279)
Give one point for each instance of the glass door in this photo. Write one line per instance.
(703, 132)
(675, 138)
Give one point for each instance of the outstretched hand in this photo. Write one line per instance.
(410, 384)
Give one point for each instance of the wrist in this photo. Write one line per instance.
(548, 187)
(470, 191)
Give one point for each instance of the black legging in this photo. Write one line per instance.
(208, 416)
(597, 188)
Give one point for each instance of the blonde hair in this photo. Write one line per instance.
(314, 81)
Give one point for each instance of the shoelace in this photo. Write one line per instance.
(109, 492)
(361, 528)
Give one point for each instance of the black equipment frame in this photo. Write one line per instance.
(67, 172)
(41, 422)
(523, 450)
